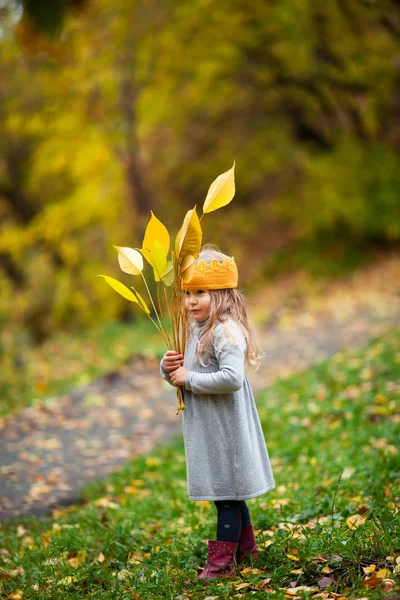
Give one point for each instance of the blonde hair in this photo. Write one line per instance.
(225, 304)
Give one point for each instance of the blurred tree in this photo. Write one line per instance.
(138, 105)
(44, 16)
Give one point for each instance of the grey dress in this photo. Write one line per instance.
(226, 455)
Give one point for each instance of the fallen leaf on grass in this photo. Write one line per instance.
(301, 588)
(372, 582)
(355, 521)
(292, 557)
(264, 584)
(326, 570)
(297, 571)
(251, 570)
(324, 582)
(21, 531)
(130, 489)
(265, 544)
(74, 562)
(369, 570)
(153, 461)
(383, 573)
(105, 502)
(321, 558)
(67, 580)
(100, 558)
(241, 586)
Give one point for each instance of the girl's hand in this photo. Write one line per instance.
(179, 376)
(172, 360)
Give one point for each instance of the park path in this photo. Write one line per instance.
(50, 450)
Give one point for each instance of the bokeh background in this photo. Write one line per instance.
(110, 109)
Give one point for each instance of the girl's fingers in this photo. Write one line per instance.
(175, 363)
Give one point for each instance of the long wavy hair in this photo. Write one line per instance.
(225, 304)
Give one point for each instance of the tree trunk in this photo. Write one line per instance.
(137, 188)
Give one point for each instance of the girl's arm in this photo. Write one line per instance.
(230, 356)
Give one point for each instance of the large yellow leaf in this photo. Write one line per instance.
(189, 237)
(130, 260)
(120, 288)
(156, 231)
(157, 258)
(147, 254)
(221, 191)
(187, 268)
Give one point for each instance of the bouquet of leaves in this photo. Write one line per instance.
(172, 267)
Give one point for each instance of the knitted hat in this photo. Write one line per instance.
(215, 275)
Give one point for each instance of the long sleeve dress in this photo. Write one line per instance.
(226, 454)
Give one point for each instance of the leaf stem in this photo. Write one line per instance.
(151, 299)
(162, 313)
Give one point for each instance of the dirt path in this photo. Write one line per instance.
(49, 451)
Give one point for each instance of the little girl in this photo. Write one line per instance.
(226, 456)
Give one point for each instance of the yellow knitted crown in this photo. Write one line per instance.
(214, 275)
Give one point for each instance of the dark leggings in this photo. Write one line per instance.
(232, 516)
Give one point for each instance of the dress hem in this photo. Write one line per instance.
(232, 497)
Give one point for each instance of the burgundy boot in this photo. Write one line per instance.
(247, 544)
(220, 560)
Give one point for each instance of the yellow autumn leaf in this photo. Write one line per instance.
(156, 231)
(189, 237)
(141, 303)
(187, 268)
(301, 588)
(168, 276)
(153, 461)
(74, 562)
(251, 570)
(369, 570)
(120, 288)
(383, 573)
(380, 399)
(265, 544)
(293, 557)
(241, 586)
(100, 558)
(157, 258)
(263, 584)
(355, 521)
(130, 260)
(67, 580)
(221, 191)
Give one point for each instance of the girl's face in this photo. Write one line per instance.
(198, 303)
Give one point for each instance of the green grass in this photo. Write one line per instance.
(30, 374)
(331, 431)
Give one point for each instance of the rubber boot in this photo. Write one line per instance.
(220, 560)
(247, 544)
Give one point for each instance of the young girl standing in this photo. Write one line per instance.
(226, 456)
